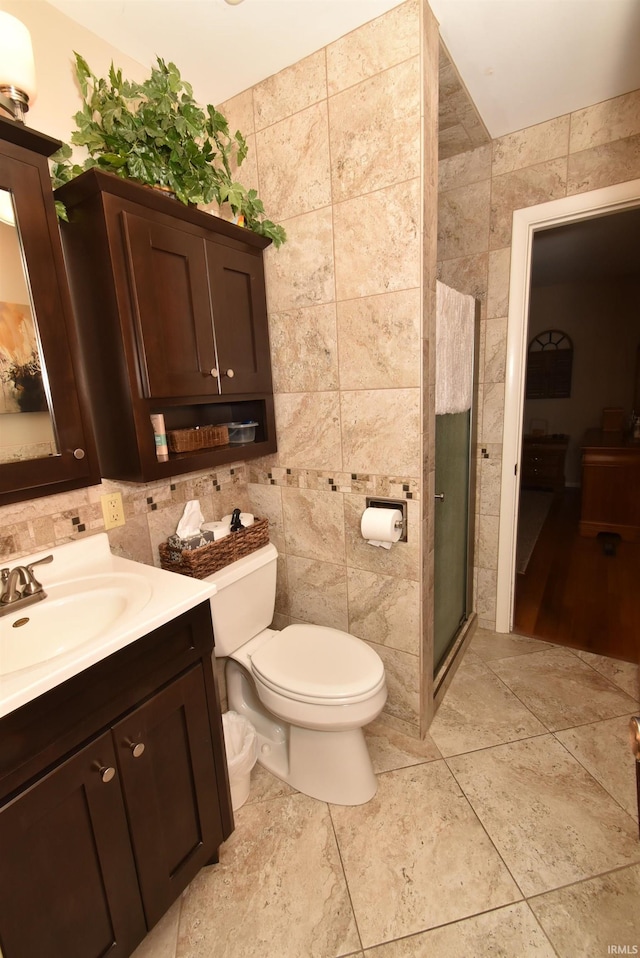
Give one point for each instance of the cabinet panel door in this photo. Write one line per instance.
(171, 305)
(240, 319)
(610, 492)
(170, 789)
(68, 887)
(41, 291)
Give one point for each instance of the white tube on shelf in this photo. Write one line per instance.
(160, 433)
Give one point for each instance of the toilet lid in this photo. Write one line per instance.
(317, 663)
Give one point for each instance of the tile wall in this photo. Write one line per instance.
(337, 141)
(339, 148)
(478, 191)
(342, 152)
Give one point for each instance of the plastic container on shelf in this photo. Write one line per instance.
(241, 744)
(241, 433)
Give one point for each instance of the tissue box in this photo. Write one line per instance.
(177, 544)
(207, 559)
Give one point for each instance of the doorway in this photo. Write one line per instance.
(528, 223)
(577, 589)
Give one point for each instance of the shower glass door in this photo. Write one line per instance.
(452, 514)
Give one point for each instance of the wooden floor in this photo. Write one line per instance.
(574, 594)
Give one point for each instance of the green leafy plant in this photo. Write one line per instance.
(155, 132)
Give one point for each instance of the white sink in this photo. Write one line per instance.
(96, 603)
(72, 614)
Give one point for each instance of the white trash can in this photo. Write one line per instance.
(241, 744)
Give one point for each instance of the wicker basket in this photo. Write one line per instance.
(201, 437)
(201, 562)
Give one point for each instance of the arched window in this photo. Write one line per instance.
(549, 363)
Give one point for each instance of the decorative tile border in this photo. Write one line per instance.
(41, 525)
(322, 480)
(52, 521)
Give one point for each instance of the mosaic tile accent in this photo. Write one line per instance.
(388, 487)
(40, 524)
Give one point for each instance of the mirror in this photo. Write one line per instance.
(26, 421)
(40, 369)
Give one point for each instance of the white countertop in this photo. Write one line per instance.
(170, 595)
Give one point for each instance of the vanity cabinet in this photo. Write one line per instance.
(69, 884)
(172, 312)
(37, 329)
(115, 795)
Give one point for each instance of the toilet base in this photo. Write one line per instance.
(330, 766)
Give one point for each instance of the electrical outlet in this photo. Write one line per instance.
(112, 510)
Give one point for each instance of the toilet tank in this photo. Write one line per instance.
(245, 599)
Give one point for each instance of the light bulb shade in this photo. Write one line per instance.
(17, 68)
(7, 214)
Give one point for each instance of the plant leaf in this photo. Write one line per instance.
(156, 133)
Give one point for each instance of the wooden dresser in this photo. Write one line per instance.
(610, 484)
(543, 462)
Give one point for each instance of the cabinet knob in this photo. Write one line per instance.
(213, 373)
(137, 748)
(230, 373)
(106, 772)
(79, 453)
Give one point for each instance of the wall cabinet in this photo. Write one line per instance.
(220, 345)
(172, 313)
(33, 284)
(116, 794)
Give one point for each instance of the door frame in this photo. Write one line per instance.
(526, 222)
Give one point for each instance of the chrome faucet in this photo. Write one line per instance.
(20, 586)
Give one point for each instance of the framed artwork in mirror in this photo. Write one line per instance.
(21, 383)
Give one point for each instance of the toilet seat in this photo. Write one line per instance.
(318, 665)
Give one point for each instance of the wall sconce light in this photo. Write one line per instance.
(7, 214)
(17, 69)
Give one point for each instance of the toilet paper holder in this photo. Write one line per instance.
(375, 503)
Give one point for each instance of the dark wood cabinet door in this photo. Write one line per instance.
(609, 498)
(24, 175)
(170, 293)
(240, 319)
(166, 760)
(68, 887)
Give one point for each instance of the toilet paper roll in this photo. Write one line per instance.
(378, 526)
(219, 529)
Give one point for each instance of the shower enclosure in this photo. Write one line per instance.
(456, 391)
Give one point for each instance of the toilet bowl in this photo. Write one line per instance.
(307, 690)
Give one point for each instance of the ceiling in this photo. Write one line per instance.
(522, 61)
(506, 65)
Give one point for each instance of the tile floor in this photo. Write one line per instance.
(510, 832)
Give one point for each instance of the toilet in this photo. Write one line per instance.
(307, 690)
